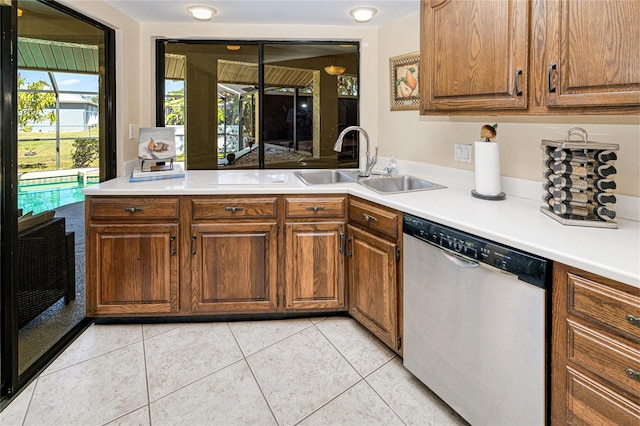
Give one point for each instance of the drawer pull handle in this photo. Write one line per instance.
(633, 320)
(370, 218)
(234, 209)
(133, 209)
(315, 209)
(635, 375)
(193, 244)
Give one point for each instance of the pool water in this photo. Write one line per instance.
(48, 196)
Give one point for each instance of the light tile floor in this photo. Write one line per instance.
(319, 371)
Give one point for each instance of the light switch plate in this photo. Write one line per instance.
(462, 153)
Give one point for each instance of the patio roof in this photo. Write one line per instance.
(46, 55)
(234, 72)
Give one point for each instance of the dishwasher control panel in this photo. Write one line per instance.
(527, 267)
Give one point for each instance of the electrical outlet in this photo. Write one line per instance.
(462, 153)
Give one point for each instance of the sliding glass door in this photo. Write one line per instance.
(58, 136)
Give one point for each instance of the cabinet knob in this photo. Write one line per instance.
(133, 209)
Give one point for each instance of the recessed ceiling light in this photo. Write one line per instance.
(363, 14)
(233, 47)
(201, 13)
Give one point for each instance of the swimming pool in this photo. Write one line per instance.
(49, 196)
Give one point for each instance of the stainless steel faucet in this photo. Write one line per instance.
(370, 161)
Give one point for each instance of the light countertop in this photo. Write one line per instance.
(517, 222)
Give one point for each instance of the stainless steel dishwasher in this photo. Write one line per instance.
(475, 323)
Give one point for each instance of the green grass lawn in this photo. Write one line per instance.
(45, 150)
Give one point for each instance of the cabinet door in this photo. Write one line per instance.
(590, 67)
(314, 266)
(373, 281)
(234, 268)
(474, 54)
(132, 269)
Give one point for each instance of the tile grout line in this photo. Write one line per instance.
(198, 379)
(311, 324)
(329, 402)
(26, 412)
(253, 375)
(376, 391)
(85, 360)
(364, 377)
(338, 350)
(144, 358)
(146, 373)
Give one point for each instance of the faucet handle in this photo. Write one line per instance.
(374, 159)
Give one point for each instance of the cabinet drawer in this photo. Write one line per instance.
(311, 207)
(604, 305)
(134, 208)
(612, 359)
(374, 218)
(235, 208)
(590, 402)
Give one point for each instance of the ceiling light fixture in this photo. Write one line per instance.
(335, 70)
(363, 14)
(201, 13)
(233, 47)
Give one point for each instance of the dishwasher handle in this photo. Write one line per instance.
(460, 261)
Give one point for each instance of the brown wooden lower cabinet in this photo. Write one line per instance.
(234, 267)
(373, 285)
(314, 266)
(374, 269)
(132, 269)
(210, 255)
(595, 350)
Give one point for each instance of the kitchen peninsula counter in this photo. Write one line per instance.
(517, 222)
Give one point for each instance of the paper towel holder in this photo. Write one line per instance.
(492, 153)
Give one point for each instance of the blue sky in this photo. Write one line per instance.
(66, 81)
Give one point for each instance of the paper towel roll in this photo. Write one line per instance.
(487, 165)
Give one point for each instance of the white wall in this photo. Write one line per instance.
(128, 105)
(410, 136)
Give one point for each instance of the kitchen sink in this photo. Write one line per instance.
(398, 184)
(321, 177)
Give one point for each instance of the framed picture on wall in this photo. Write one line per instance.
(405, 90)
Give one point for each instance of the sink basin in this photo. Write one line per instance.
(398, 184)
(321, 177)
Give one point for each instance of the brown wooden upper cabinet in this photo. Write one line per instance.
(474, 54)
(530, 56)
(593, 53)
